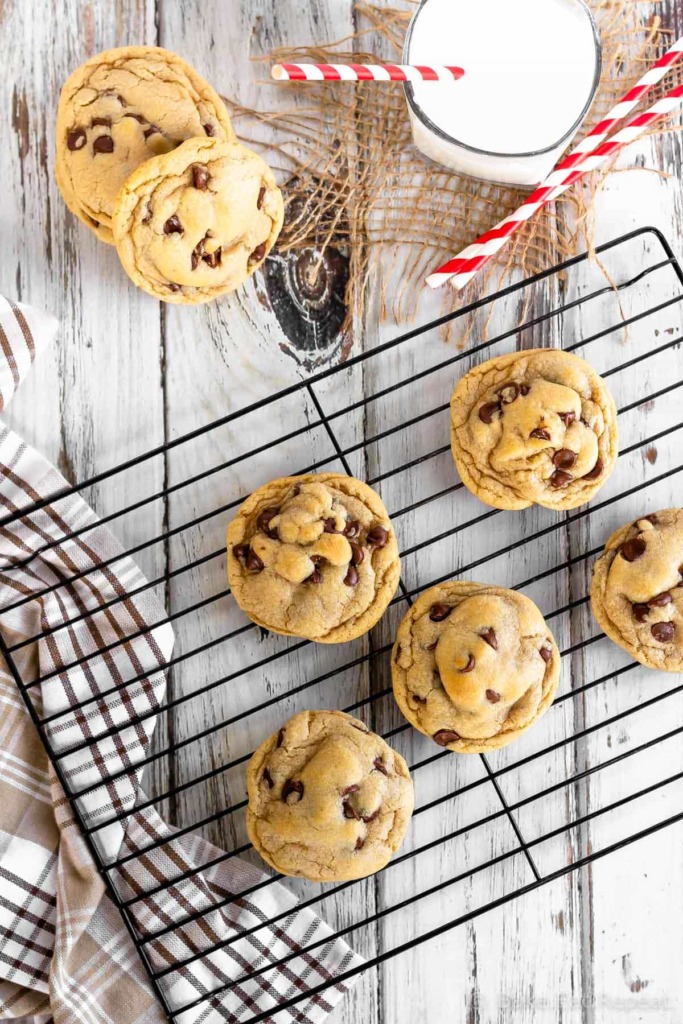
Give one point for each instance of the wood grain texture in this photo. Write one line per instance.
(601, 945)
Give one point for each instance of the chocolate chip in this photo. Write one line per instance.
(420, 700)
(488, 411)
(137, 117)
(564, 458)
(357, 553)
(200, 176)
(652, 519)
(100, 121)
(546, 653)
(633, 549)
(567, 418)
(360, 843)
(152, 130)
(261, 196)
(367, 818)
(492, 696)
(240, 551)
(315, 577)
(470, 664)
(349, 811)
(173, 226)
(490, 637)
(663, 631)
(540, 433)
(292, 788)
(209, 129)
(351, 578)
(352, 529)
(445, 736)
(76, 139)
(258, 253)
(378, 537)
(660, 600)
(439, 612)
(349, 790)
(525, 389)
(329, 526)
(214, 259)
(267, 778)
(148, 214)
(380, 766)
(596, 471)
(103, 144)
(174, 287)
(280, 738)
(433, 647)
(263, 521)
(640, 612)
(508, 393)
(253, 562)
(560, 479)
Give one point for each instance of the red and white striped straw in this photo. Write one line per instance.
(589, 154)
(365, 73)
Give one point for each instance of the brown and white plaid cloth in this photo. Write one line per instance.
(65, 953)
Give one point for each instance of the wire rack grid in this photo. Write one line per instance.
(487, 829)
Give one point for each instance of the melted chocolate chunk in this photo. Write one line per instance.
(525, 389)
(367, 818)
(352, 529)
(660, 600)
(349, 811)
(564, 458)
(508, 393)
(378, 537)
(357, 553)
(152, 130)
(315, 577)
(209, 129)
(490, 637)
(137, 117)
(280, 738)
(351, 578)
(173, 226)
(253, 562)
(492, 696)
(445, 736)
(258, 253)
(101, 122)
(173, 286)
(560, 479)
(380, 766)
(261, 197)
(470, 664)
(596, 471)
(200, 176)
(541, 433)
(103, 144)
(633, 549)
(360, 843)
(567, 418)
(488, 411)
(420, 700)
(76, 139)
(439, 612)
(267, 778)
(349, 790)
(240, 551)
(640, 612)
(546, 653)
(329, 526)
(263, 521)
(292, 788)
(663, 631)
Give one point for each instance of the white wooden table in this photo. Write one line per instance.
(600, 945)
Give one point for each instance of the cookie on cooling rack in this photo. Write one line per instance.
(534, 428)
(195, 223)
(474, 666)
(119, 109)
(637, 589)
(313, 556)
(328, 799)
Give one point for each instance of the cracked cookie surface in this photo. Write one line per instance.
(195, 223)
(474, 666)
(535, 427)
(119, 109)
(328, 799)
(313, 556)
(637, 589)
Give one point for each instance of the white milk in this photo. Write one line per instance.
(531, 69)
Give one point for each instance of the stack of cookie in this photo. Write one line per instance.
(148, 160)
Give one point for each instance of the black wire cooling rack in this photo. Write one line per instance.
(585, 781)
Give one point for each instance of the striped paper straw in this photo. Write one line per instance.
(365, 73)
(589, 154)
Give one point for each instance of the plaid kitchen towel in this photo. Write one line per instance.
(65, 953)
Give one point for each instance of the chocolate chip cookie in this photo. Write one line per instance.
(474, 666)
(313, 556)
(637, 589)
(328, 799)
(195, 223)
(536, 427)
(119, 109)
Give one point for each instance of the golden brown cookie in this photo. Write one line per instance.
(474, 666)
(313, 556)
(534, 427)
(637, 589)
(195, 223)
(328, 799)
(119, 109)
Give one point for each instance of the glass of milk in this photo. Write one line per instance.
(531, 71)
